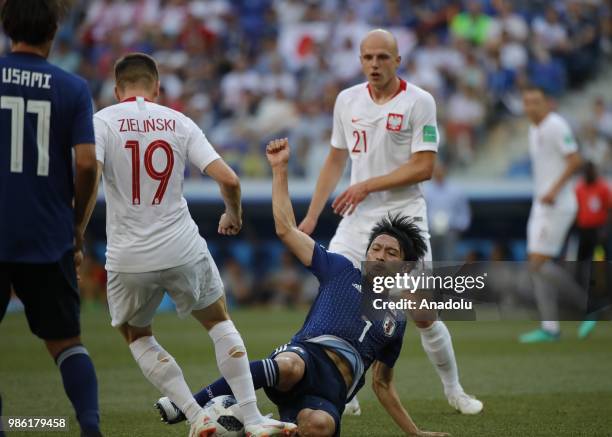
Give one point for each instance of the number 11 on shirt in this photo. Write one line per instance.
(162, 176)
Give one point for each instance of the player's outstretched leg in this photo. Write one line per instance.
(233, 364)
(160, 368)
(438, 346)
(80, 383)
(265, 373)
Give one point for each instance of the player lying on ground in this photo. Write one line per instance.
(154, 245)
(311, 377)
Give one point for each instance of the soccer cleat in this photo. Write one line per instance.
(465, 403)
(169, 412)
(203, 426)
(270, 428)
(352, 408)
(586, 328)
(539, 336)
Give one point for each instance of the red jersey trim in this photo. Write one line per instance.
(133, 99)
(402, 87)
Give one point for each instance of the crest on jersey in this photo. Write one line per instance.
(389, 325)
(394, 122)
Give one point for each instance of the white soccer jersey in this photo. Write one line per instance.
(549, 144)
(144, 148)
(381, 138)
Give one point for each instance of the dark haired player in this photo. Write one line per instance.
(45, 115)
(324, 365)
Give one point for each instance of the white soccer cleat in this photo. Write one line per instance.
(270, 428)
(352, 408)
(204, 426)
(169, 412)
(465, 403)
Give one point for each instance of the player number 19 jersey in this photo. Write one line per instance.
(144, 148)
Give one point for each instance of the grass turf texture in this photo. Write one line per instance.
(557, 389)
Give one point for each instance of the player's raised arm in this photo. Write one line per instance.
(327, 181)
(330, 173)
(382, 384)
(229, 184)
(300, 244)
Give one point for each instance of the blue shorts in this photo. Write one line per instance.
(321, 388)
(49, 293)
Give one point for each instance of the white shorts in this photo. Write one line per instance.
(353, 235)
(133, 298)
(547, 229)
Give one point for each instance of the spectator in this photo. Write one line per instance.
(472, 25)
(425, 77)
(550, 33)
(286, 282)
(254, 165)
(241, 78)
(238, 282)
(593, 195)
(546, 72)
(501, 81)
(595, 148)
(64, 55)
(582, 58)
(448, 215)
(602, 117)
(509, 22)
(513, 53)
(465, 115)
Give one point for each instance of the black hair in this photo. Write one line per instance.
(535, 88)
(33, 22)
(403, 229)
(590, 173)
(136, 68)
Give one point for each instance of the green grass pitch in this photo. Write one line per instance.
(560, 389)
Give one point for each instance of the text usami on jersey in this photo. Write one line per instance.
(380, 138)
(144, 148)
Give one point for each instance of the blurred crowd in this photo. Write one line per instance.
(249, 70)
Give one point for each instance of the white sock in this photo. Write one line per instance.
(438, 346)
(160, 368)
(551, 326)
(546, 297)
(234, 366)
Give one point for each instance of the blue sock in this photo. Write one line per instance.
(81, 386)
(264, 373)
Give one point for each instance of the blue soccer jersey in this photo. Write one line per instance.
(44, 112)
(338, 311)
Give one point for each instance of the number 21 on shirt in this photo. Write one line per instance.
(361, 142)
(162, 176)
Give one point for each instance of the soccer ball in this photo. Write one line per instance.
(224, 410)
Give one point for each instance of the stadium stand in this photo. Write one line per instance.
(250, 70)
